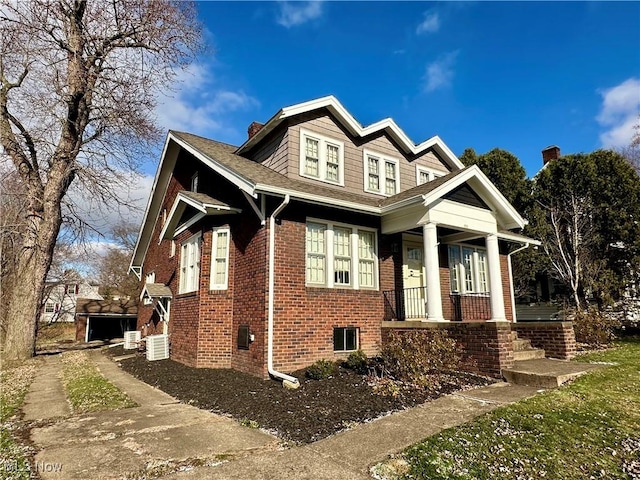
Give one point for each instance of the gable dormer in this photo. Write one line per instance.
(319, 142)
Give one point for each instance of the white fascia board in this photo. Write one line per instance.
(188, 223)
(493, 195)
(161, 180)
(514, 237)
(401, 204)
(318, 199)
(222, 170)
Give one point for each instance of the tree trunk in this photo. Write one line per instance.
(26, 297)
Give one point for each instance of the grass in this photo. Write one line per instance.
(86, 388)
(589, 429)
(51, 333)
(14, 384)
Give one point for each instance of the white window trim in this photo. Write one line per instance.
(195, 179)
(433, 174)
(460, 270)
(382, 173)
(322, 156)
(214, 246)
(355, 259)
(182, 281)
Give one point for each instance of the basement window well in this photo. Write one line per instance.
(345, 339)
(244, 337)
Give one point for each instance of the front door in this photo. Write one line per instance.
(415, 294)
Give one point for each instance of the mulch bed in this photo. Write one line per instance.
(317, 409)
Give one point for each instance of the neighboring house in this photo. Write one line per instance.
(61, 297)
(317, 237)
(98, 319)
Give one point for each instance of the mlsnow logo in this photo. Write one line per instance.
(14, 466)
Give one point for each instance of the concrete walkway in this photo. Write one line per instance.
(116, 443)
(45, 399)
(112, 444)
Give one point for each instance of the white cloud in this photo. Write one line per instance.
(619, 113)
(439, 74)
(128, 201)
(430, 24)
(292, 14)
(198, 105)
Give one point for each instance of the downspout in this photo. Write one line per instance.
(513, 297)
(287, 380)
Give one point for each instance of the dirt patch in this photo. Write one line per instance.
(317, 409)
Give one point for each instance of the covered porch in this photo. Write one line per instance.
(450, 243)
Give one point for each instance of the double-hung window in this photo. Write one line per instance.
(468, 269)
(219, 259)
(190, 265)
(341, 256)
(424, 175)
(381, 174)
(321, 157)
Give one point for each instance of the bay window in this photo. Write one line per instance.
(339, 255)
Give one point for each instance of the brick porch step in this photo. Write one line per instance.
(545, 372)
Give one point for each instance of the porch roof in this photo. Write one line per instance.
(156, 290)
(202, 204)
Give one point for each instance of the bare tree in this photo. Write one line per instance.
(78, 86)
(112, 267)
(568, 243)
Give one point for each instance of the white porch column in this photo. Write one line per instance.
(432, 270)
(495, 279)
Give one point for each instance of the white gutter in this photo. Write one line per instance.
(272, 248)
(513, 297)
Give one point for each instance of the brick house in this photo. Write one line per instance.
(317, 237)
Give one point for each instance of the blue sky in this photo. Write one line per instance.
(514, 75)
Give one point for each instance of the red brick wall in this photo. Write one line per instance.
(81, 328)
(556, 338)
(304, 317)
(215, 311)
(250, 287)
(486, 348)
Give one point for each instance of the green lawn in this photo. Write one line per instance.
(589, 429)
(86, 388)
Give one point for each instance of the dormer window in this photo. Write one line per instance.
(381, 174)
(424, 175)
(194, 183)
(321, 158)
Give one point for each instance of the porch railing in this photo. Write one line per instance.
(405, 303)
(470, 306)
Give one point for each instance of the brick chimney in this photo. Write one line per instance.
(254, 128)
(552, 152)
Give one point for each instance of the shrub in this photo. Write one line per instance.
(321, 369)
(593, 327)
(357, 361)
(414, 356)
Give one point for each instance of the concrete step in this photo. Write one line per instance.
(545, 372)
(531, 354)
(521, 344)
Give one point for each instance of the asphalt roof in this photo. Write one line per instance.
(259, 174)
(106, 307)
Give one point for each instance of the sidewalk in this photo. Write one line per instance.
(349, 454)
(115, 443)
(112, 444)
